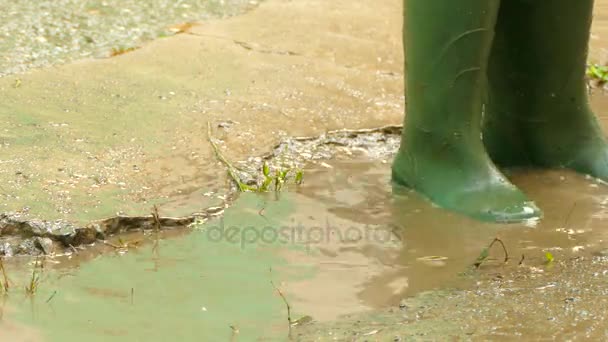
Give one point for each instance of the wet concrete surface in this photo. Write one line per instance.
(75, 147)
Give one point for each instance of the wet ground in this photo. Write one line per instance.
(346, 252)
(527, 296)
(73, 140)
(340, 244)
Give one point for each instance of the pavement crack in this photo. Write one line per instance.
(248, 46)
(253, 47)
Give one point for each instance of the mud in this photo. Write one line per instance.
(529, 302)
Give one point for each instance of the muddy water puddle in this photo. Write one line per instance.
(425, 272)
(187, 288)
(340, 244)
(428, 247)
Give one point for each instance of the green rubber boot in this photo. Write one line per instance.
(538, 112)
(447, 47)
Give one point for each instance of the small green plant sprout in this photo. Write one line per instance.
(299, 177)
(267, 178)
(549, 258)
(36, 277)
(598, 73)
(232, 170)
(278, 179)
(485, 253)
(270, 180)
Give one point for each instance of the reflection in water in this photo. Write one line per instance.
(373, 273)
(436, 250)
